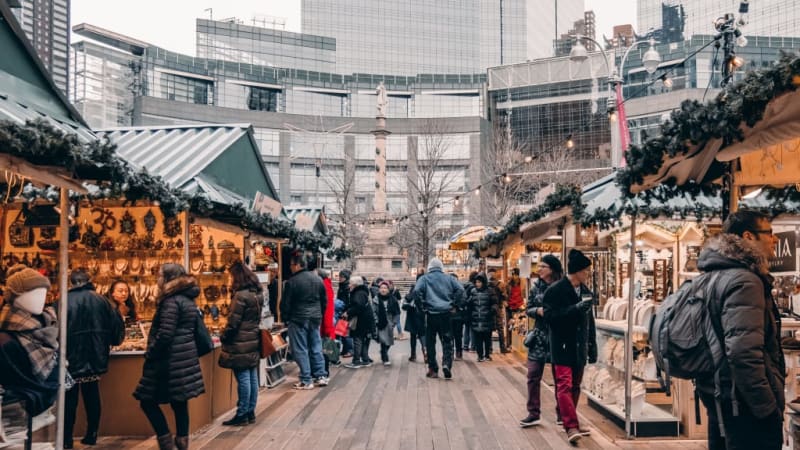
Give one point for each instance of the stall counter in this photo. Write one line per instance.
(121, 413)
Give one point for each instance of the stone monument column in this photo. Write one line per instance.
(380, 133)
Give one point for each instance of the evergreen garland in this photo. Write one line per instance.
(695, 124)
(39, 143)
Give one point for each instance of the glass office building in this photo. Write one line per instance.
(46, 24)
(773, 18)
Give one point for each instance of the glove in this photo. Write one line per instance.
(584, 305)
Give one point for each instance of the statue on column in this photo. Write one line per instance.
(383, 100)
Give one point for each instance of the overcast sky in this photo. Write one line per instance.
(171, 23)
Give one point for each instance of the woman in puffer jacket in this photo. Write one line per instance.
(241, 341)
(483, 304)
(171, 372)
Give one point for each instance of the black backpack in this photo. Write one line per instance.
(686, 337)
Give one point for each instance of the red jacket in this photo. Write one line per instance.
(326, 329)
(515, 300)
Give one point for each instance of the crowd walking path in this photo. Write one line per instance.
(396, 407)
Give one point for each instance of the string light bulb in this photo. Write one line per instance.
(528, 158)
(612, 116)
(570, 143)
(507, 178)
(478, 190)
(737, 62)
(457, 200)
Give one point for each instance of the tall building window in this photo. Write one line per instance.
(262, 99)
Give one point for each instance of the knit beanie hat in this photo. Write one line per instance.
(554, 263)
(22, 279)
(435, 263)
(577, 261)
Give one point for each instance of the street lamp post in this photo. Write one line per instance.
(616, 107)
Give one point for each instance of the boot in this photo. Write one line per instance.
(236, 421)
(182, 442)
(251, 417)
(165, 442)
(89, 439)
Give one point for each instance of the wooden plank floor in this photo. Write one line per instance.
(397, 407)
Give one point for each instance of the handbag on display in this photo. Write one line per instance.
(202, 338)
(267, 347)
(18, 234)
(342, 328)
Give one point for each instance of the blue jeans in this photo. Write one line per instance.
(347, 344)
(306, 346)
(397, 324)
(247, 381)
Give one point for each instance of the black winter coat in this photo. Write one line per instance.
(482, 309)
(750, 323)
(572, 334)
(539, 350)
(343, 293)
(93, 326)
(241, 338)
(171, 367)
(415, 319)
(304, 298)
(361, 308)
(18, 380)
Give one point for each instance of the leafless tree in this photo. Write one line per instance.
(430, 185)
(349, 237)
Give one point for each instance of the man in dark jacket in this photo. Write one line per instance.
(567, 308)
(93, 326)
(469, 285)
(437, 294)
(752, 372)
(302, 309)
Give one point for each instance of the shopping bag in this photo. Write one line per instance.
(267, 347)
(330, 348)
(342, 328)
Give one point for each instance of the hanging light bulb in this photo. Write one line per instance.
(457, 201)
(438, 209)
(666, 80)
(612, 116)
(507, 178)
(570, 143)
(737, 62)
(528, 158)
(478, 190)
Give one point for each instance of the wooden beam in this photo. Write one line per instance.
(51, 175)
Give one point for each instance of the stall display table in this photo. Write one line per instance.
(122, 415)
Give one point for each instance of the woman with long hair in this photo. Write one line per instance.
(171, 372)
(241, 339)
(120, 296)
(550, 270)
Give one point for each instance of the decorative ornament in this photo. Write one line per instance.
(127, 224)
(150, 221)
(172, 227)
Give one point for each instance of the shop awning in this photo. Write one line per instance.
(222, 161)
(308, 218)
(464, 239)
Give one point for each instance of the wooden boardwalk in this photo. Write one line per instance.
(397, 407)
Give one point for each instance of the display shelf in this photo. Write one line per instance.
(653, 421)
(618, 326)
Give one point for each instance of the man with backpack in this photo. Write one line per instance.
(749, 409)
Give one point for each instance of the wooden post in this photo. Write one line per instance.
(63, 261)
(186, 236)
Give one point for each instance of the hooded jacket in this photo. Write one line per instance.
(483, 304)
(361, 309)
(93, 326)
(171, 369)
(750, 324)
(439, 293)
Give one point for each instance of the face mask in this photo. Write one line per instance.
(32, 301)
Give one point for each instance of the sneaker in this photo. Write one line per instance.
(505, 350)
(387, 363)
(529, 422)
(412, 359)
(448, 375)
(322, 381)
(584, 431)
(300, 386)
(458, 357)
(354, 365)
(432, 374)
(488, 358)
(559, 422)
(573, 435)
(367, 363)
(481, 359)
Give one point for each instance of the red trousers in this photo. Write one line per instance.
(568, 391)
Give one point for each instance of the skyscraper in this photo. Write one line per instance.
(46, 24)
(776, 18)
(436, 36)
